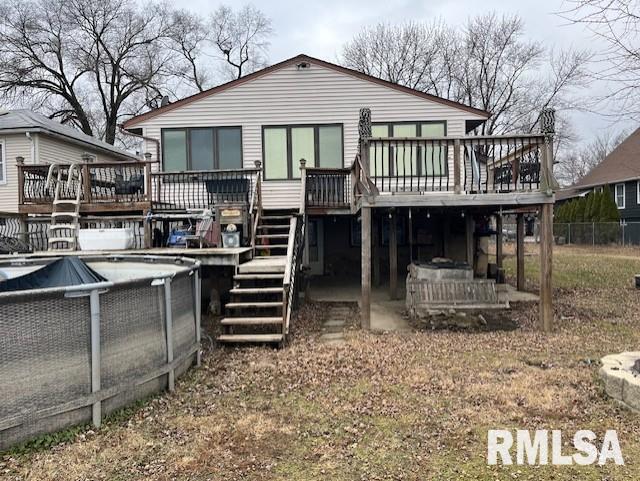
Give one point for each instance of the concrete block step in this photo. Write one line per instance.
(256, 290)
(257, 338)
(253, 305)
(250, 321)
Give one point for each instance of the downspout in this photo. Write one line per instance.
(33, 147)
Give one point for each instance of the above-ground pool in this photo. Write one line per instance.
(68, 355)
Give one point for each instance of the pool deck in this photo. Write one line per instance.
(211, 256)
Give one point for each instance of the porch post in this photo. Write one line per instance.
(546, 251)
(499, 240)
(393, 256)
(375, 249)
(520, 252)
(365, 303)
(469, 227)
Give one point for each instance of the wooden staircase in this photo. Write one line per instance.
(257, 310)
(65, 214)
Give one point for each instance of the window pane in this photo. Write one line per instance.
(379, 155)
(201, 144)
(434, 157)
(301, 148)
(275, 153)
(230, 148)
(330, 146)
(405, 156)
(174, 148)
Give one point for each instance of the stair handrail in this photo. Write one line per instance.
(255, 204)
(292, 269)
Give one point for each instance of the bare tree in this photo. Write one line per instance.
(486, 64)
(242, 38)
(617, 24)
(89, 62)
(577, 161)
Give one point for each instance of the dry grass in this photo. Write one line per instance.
(411, 406)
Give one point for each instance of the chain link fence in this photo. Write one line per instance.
(582, 233)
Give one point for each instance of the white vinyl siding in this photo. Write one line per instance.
(314, 96)
(3, 165)
(620, 195)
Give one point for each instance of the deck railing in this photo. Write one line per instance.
(102, 182)
(478, 165)
(328, 188)
(180, 191)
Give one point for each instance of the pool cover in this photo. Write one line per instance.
(63, 272)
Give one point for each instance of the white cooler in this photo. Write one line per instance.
(106, 239)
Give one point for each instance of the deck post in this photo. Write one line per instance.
(469, 227)
(499, 240)
(393, 255)
(546, 251)
(20, 165)
(365, 304)
(520, 252)
(375, 249)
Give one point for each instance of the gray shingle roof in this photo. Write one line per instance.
(29, 121)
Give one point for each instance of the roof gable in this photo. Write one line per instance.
(295, 60)
(623, 163)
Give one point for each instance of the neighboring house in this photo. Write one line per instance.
(40, 140)
(621, 171)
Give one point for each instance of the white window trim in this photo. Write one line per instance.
(624, 195)
(3, 181)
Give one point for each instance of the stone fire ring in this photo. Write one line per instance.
(621, 382)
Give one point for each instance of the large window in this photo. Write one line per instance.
(426, 159)
(284, 146)
(202, 148)
(619, 195)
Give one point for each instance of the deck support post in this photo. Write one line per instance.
(365, 303)
(546, 251)
(520, 252)
(469, 228)
(393, 255)
(499, 241)
(375, 250)
(197, 312)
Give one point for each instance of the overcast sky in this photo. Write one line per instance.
(320, 28)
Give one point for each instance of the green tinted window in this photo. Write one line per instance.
(174, 150)
(275, 153)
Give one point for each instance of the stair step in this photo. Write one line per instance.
(272, 236)
(65, 202)
(256, 290)
(271, 246)
(274, 227)
(64, 214)
(253, 305)
(275, 217)
(250, 321)
(259, 277)
(62, 226)
(61, 239)
(250, 338)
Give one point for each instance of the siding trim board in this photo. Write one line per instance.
(3, 164)
(295, 60)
